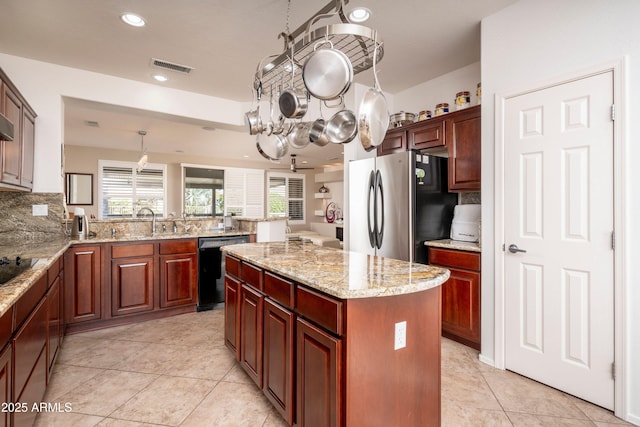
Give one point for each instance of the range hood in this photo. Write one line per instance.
(6, 129)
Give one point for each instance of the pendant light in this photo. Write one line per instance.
(144, 159)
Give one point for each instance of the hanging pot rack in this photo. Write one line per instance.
(355, 40)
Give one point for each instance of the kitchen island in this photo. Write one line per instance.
(336, 338)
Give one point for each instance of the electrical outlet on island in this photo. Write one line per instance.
(400, 335)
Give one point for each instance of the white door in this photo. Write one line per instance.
(558, 197)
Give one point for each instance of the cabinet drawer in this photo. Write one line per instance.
(129, 250)
(232, 266)
(29, 300)
(321, 309)
(279, 289)
(251, 275)
(454, 258)
(177, 247)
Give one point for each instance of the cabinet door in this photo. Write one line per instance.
(463, 143)
(5, 384)
(54, 322)
(178, 280)
(28, 145)
(429, 134)
(278, 358)
(231, 314)
(83, 276)
(319, 377)
(394, 141)
(461, 307)
(251, 305)
(11, 150)
(131, 285)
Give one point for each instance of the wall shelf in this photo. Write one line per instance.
(322, 195)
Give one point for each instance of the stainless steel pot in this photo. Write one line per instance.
(341, 128)
(293, 104)
(299, 135)
(317, 134)
(401, 119)
(273, 148)
(373, 117)
(253, 122)
(327, 73)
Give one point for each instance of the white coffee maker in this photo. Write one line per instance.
(79, 225)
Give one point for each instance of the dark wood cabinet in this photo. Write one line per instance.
(178, 273)
(463, 145)
(30, 365)
(456, 135)
(460, 295)
(394, 141)
(430, 134)
(319, 363)
(278, 358)
(132, 285)
(5, 384)
(54, 321)
(232, 314)
(251, 328)
(83, 280)
(16, 157)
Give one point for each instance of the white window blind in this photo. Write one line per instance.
(286, 197)
(244, 192)
(123, 191)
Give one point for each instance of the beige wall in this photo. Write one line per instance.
(85, 160)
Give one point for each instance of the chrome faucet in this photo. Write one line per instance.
(153, 217)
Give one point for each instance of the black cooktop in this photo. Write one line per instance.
(12, 267)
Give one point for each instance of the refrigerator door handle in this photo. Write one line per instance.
(371, 189)
(379, 221)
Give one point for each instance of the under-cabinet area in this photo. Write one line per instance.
(308, 346)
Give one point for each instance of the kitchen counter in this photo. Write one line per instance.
(454, 244)
(342, 274)
(48, 251)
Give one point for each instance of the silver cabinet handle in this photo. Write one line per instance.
(514, 248)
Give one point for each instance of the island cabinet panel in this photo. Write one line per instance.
(281, 290)
(232, 266)
(460, 295)
(178, 279)
(463, 144)
(251, 332)
(232, 314)
(279, 358)
(83, 279)
(320, 309)
(319, 377)
(5, 384)
(131, 285)
(251, 275)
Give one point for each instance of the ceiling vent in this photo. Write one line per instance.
(92, 123)
(160, 63)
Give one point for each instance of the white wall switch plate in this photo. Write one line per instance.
(400, 335)
(40, 210)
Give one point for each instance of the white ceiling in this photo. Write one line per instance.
(223, 41)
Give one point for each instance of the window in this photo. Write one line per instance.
(203, 192)
(286, 197)
(123, 190)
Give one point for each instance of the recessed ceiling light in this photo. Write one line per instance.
(359, 14)
(160, 77)
(132, 19)
(246, 156)
(179, 151)
(209, 128)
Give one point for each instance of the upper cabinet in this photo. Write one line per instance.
(456, 135)
(16, 157)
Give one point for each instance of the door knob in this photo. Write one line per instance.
(514, 248)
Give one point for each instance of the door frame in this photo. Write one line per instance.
(619, 69)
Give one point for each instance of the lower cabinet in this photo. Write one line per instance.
(178, 273)
(55, 329)
(460, 295)
(5, 384)
(279, 357)
(232, 314)
(251, 322)
(319, 381)
(83, 283)
(131, 285)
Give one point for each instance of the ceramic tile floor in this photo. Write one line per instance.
(177, 372)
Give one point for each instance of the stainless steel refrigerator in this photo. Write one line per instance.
(397, 202)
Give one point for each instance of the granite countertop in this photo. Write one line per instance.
(48, 251)
(339, 273)
(454, 244)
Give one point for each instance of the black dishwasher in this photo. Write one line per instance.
(211, 269)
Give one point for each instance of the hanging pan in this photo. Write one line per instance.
(327, 73)
(373, 117)
(273, 148)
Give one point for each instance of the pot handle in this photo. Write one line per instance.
(321, 42)
(339, 104)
